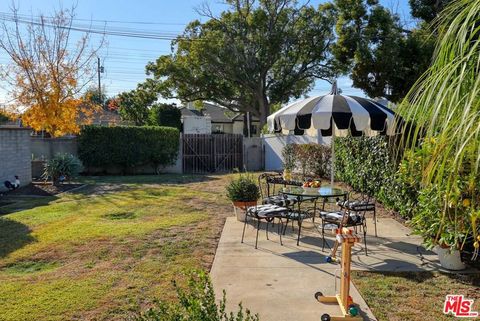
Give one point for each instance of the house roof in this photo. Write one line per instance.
(217, 114)
(190, 112)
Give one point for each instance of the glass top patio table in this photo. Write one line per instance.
(323, 191)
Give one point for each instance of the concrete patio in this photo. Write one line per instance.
(279, 282)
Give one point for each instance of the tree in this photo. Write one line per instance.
(383, 58)
(165, 115)
(3, 117)
(94, 96)
(427, 10)
(48, 72)
(256, 54)
(134, 105)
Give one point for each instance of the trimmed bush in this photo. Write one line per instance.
(366, 164)
(128, 146)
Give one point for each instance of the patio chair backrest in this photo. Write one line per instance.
(266, 189)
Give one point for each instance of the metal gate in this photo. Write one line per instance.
(210, 153)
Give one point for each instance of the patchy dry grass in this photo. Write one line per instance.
(107, 249)
(414, 296)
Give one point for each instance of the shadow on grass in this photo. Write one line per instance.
(18, 203)
(148, 179)
(13, 236)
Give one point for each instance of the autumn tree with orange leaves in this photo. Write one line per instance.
(49, 70)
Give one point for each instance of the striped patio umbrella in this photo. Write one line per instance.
(335, 115)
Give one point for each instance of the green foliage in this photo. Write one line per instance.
(196, 303)
(134, 105)
(128, 146)
(445, 106)
(3, 118)
(383, 59)
(94, 96)
(256, 54)
(165, 115)
(243, 189)
(427, 10)
(289, 157)
(366, 164)
(66, 165)
(313, 159)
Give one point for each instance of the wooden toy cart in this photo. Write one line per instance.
(347, 239)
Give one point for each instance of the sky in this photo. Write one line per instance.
(124, 58)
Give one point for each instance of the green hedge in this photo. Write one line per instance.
(366, 164)
(128, 146)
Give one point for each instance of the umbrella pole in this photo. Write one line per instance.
(332, 165)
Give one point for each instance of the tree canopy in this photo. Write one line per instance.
(167, 115)
(134, 104)
(48, 72)
(383, 58)
(256, 54)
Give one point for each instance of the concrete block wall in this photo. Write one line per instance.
(15, 155)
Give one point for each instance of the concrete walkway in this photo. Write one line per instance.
(279, 282)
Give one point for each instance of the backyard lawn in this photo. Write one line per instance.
(414, 296)
(107, 249)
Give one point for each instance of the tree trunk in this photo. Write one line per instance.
(263, 110)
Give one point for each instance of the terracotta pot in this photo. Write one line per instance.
(242, 206)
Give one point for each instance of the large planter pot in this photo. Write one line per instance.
(239, 209)
(450, 259)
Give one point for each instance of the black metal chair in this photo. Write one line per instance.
(297, 216)
(364, 203)
(345, 218)
(267, 184)
(267, 213)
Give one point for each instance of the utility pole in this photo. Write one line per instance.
(100, 70)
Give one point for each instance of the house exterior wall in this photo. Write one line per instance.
(196, 125)
(238, 128)
(15, 155)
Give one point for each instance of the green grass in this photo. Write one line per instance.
(414, 296)
(107, 249)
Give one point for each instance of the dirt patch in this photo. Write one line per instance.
(43, 189)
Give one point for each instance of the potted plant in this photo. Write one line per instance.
(289, 160)
(243, 192)
(444, 216)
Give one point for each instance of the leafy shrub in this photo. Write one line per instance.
(366, 164)
(309, 159)
(128, 146)
(3, 118)
(165, 115)
(313, 159)
(196, 303)
(243, 189)
(289, 158)
(62, 165)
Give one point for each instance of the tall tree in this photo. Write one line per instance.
(134, 105)
(383, 59)
(427, 10)
(258, 53)
(48, 71)
(165, 115)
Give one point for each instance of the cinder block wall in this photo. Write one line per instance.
(15, 155)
